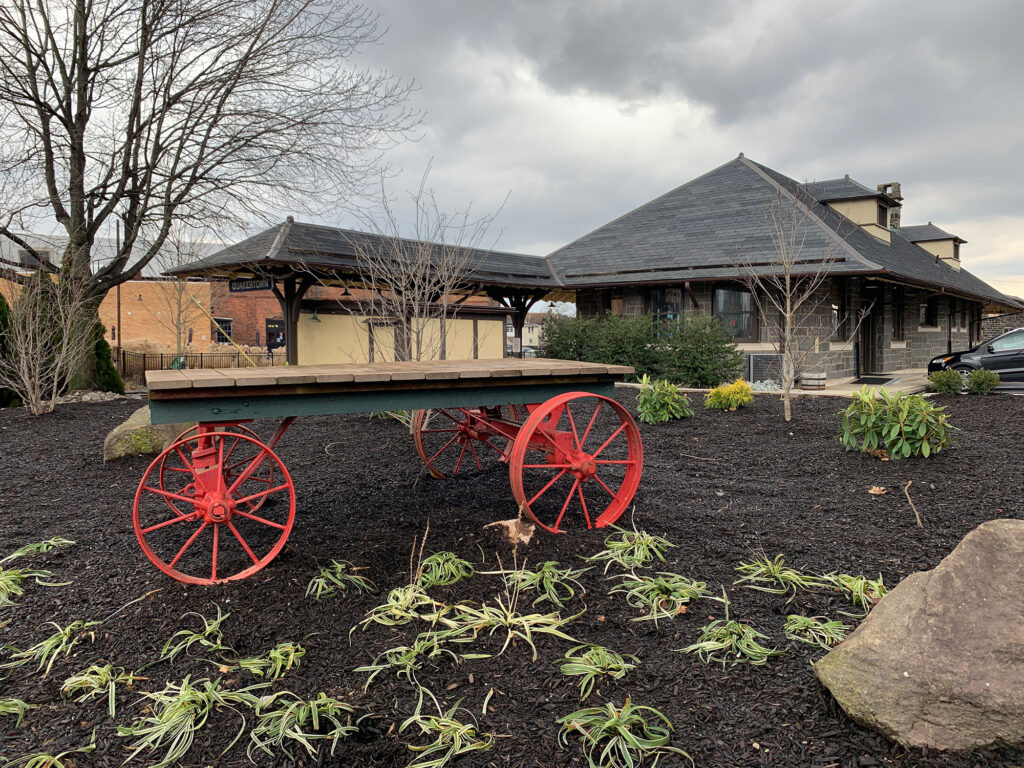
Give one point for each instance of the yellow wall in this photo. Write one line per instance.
(863, 213)
(344, 339)
(943, 249)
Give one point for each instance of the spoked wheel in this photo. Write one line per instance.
(166, 473)
(578, 455)
(209, 533)
(453, 439)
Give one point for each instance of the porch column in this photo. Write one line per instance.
(290, 299)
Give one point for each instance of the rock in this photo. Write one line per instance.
(939, 662)
(137, 436)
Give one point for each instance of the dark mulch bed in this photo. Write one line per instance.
(718, 485)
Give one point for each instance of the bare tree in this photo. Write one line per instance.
(153, 112)
(45, 336)
(178, 308)
(416, 274)
(791, 290)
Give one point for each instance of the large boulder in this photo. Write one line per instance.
(137, 435)
(939, 662)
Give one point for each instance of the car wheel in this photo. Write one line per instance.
(964, 372)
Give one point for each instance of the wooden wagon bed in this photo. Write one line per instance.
(219, 503)
(305, 390)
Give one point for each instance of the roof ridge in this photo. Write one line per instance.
(282, 235)
(641, 207)
(832, 234)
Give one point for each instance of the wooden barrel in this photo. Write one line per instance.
(812, 380)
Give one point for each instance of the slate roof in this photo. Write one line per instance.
(921, 233)
(710, 228)
(842, 189)
(320, 248)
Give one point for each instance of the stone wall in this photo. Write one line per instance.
(827, 348)
(994, 326)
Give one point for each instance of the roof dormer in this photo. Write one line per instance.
(941, 244)
(874, 211)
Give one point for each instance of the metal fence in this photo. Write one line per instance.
(135, 364)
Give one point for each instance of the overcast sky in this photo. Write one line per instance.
(581, 111)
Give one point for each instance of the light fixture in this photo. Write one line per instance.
(140, 297)
(315, 318)
(346, 293)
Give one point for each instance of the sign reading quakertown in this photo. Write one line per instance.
(250, 284)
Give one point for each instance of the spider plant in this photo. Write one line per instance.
(403, 604)
(776, 577)
(339, 578)
(47, 651)
(12, 582)
(46, 760)
(15, 707)
(592, 662)
(619, 736)
(554, 584)
(466, 622)
(38, 547)
(451, 738)
(662, 596)
(275, 662)
(284, 717)
(442, 569)
(863, 592)
(630, 549)
(405, 660)
(210, 637)
(730, 642)
(97, 680)
(178, 712)
(815, 630)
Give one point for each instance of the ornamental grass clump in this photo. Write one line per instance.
(729, 397)
(339, 578)
(178, 712)
(406, 660)
(12, 582)
(630, 549)
(442, 569)
(39, 547)
(466, 623)
(403, 605)
(593, 662)
(15, 708)
(662, 596)
(776, 577)
(894, 426)
(556, 585)
(47, 651)
(660, 401)
(614, 737)
(731, 642)
(452, 738)
(284, 718)
(862, 591)
(946, 382)
(275, 662)
(209, 638)
(98, 680)
(982, 381)
(816, 630)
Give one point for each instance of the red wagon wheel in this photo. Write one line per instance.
(450, 439)
(212, 535)
(577, 453)
(167, 473)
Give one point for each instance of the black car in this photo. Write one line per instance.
(1003, 354)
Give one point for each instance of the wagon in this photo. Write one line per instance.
(219, 503)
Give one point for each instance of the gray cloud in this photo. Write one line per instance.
(583, 110)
